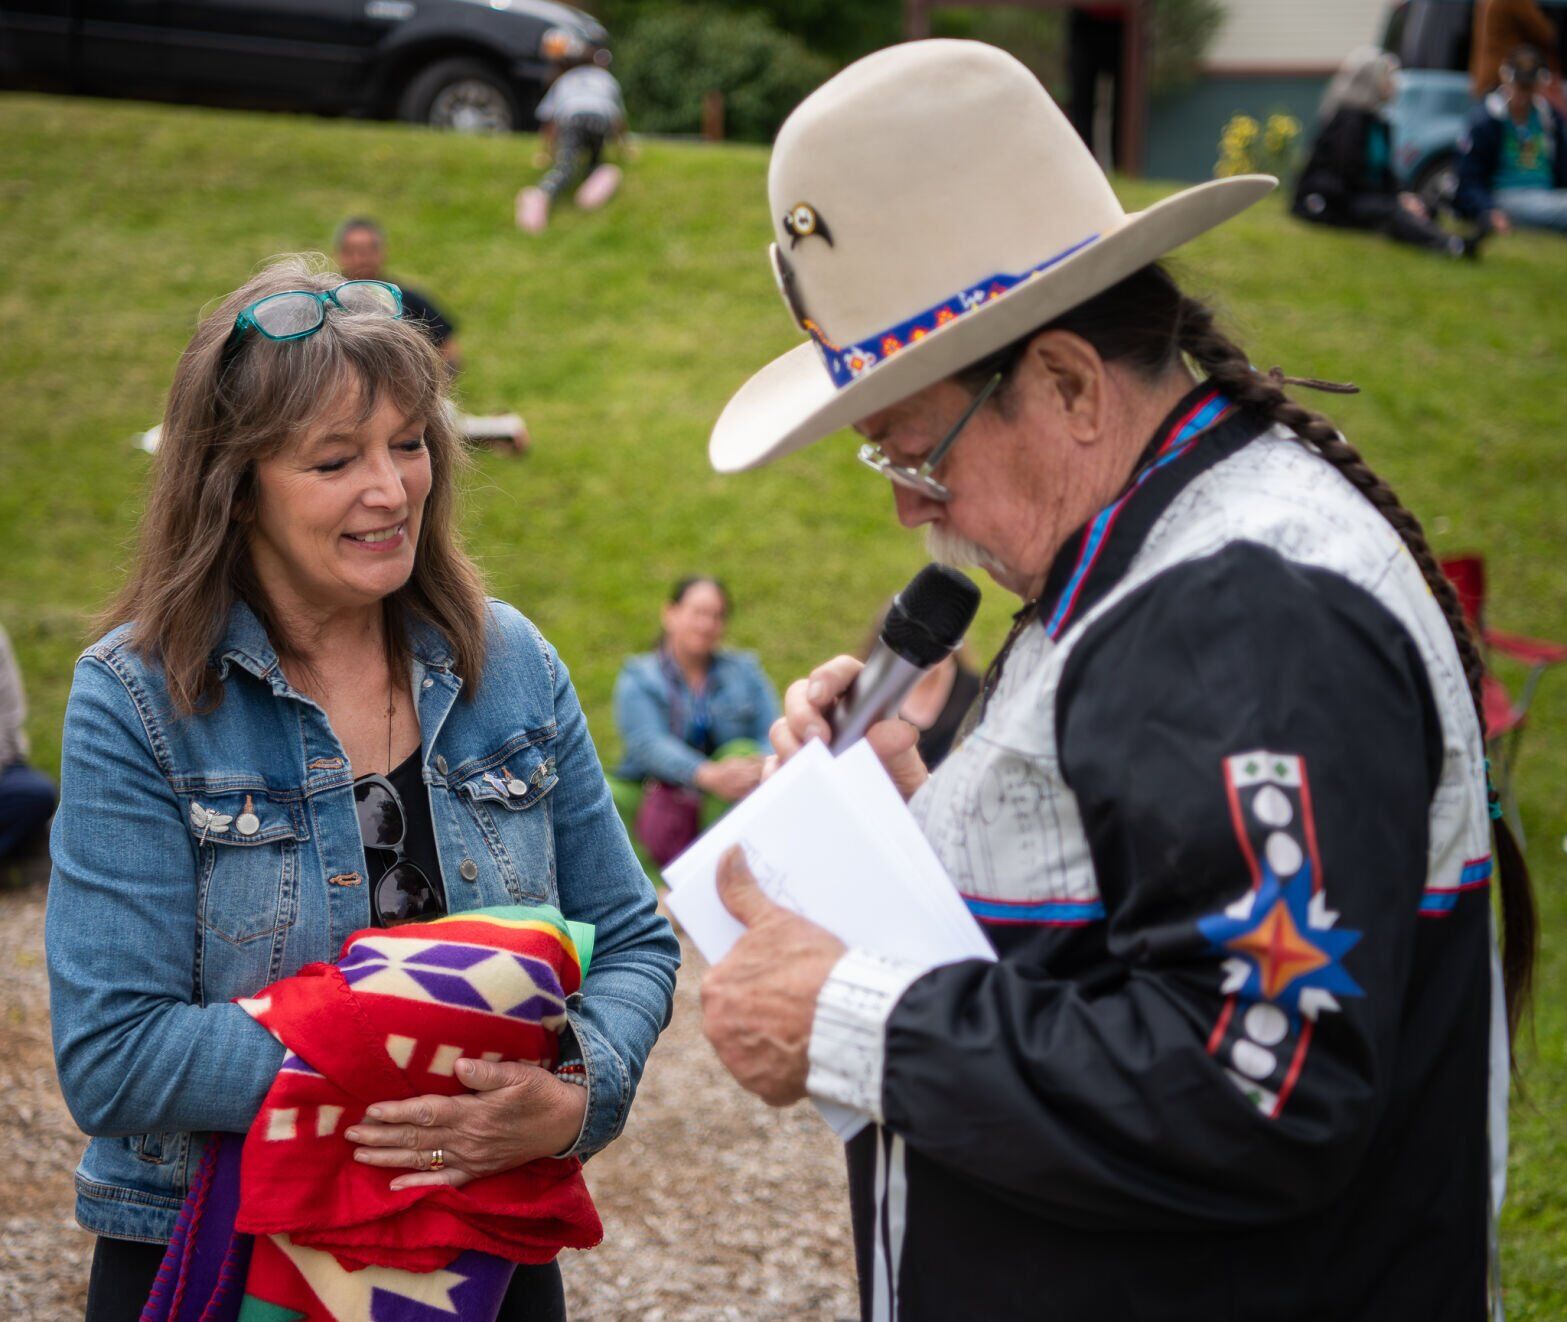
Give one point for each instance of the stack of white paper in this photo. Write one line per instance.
(832, 839)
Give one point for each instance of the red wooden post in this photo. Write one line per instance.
(713, 116)
(1134, 89)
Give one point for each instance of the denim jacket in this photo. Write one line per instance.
(741, 704)
(160, 915)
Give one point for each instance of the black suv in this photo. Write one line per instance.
(476, 65)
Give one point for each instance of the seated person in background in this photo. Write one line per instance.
(1348, 179)
(581, 112)
(691, 717)
(1514, 167)
(26, 796)
(938, 704)
(359, 249)
(1500, 28)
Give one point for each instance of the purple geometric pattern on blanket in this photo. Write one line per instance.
(451, 955)
(543, 976)
(361, 971)
(448, 988)
(440, 970)
(479, 1296)
(536, 1008)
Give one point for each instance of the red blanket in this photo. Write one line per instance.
(388, 1021)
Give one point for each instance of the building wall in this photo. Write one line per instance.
(1184, 129)
(1294, 34)
(1270, 55)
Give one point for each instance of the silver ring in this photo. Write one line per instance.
(438, 1159)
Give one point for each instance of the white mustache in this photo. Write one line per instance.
(947, 548)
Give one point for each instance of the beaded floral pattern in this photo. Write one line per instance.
(846, 363)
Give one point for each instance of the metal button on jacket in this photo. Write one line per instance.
(247, 823)
(440, 764)
(468, 870)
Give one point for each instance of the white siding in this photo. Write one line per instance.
(1294, 34)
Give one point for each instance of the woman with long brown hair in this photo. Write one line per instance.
(307, 719)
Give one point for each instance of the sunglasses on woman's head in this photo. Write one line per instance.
(297, 314)
(402, 894)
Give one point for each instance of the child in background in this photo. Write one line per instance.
(582, 111)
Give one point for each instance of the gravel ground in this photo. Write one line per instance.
(714, 1206)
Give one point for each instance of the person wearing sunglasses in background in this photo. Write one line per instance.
(1513, 171)
(308, 720)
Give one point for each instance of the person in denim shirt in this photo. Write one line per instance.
(689, 714)
(301, 616)
(691, 717)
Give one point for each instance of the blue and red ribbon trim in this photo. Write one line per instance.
(1180, 438)
(1439, 901)
(1040, 913)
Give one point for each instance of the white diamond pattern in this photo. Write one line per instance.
(502, 981)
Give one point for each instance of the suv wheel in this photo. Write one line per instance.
(467, 96)
(1437, 183)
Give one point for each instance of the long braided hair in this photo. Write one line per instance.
(1146, 323)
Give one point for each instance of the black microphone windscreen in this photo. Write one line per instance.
(930, 616)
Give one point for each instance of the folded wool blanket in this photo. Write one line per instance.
(388, 1021)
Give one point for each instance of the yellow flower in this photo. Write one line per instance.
(1282, 126)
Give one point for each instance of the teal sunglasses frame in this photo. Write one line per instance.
(246, 321)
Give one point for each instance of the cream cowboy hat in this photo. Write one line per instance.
(931, 204)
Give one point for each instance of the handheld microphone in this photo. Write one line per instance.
(924, 624)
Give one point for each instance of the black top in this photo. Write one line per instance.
(419, 842)
(1341, 167)
(936, 742)
(416, 307)
(1073, 1152)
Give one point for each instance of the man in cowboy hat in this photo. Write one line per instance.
(1224, 814)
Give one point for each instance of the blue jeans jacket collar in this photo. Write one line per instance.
(246, 644)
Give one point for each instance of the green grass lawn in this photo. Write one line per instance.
(620, 336)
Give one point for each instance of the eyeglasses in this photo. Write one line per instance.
(402, 894)
(296, 313)
(920, 479)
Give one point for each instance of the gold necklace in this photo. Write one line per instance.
(391, 704)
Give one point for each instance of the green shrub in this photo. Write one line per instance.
(841, 32)
(672, 58)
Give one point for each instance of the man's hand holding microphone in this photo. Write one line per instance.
(759, 1001)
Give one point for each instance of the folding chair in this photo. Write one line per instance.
(1505, 715)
